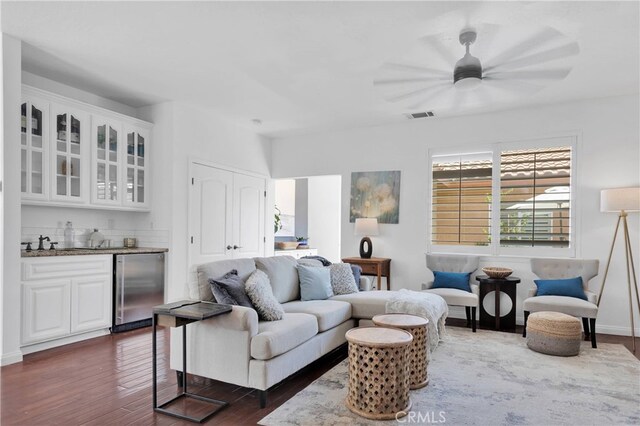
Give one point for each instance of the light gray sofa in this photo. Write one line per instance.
(238, 348)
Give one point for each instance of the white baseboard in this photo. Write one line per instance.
(11, 358)
(458, 312)
(63, 341)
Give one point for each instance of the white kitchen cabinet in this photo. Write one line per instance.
(34, 148)
(69, 153)
(78, 155)
(135, 167)
(298, 254)
(45, 310)
(65, 296)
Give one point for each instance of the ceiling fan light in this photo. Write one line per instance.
(468, 83)
(467, 74)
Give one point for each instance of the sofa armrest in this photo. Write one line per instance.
(365, 283)
(218, 348)
(591, 297)
(427, 285)
(475, 289)
(532, 292)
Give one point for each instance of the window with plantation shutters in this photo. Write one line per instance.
(535, 197)
(461, 200)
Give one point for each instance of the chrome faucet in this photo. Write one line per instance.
(41, 239)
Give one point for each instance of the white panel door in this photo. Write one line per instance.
(90, 303)
(210, 213)
(248, 215)
(45, 310)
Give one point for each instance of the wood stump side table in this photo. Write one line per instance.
(417, 326)
(378, 372)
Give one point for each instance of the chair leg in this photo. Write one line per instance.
(592, 324)
(526, 317)
(467, 310)
(473, 319)
(263, 398)
(585, 326)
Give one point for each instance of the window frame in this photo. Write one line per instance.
(494, 248)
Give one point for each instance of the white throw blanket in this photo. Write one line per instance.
(425, 305)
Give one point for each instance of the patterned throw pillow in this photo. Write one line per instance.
(342, 280)
(259, 291)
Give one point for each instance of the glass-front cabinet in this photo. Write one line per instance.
(106, 159)
(69, 131)
(34, 146)
(78, 155)
(136, 167)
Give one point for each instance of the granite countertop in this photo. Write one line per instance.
(84, 252)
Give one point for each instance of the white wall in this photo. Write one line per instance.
(608, 156)
(324, 215)
(10, 272)
(183, 132)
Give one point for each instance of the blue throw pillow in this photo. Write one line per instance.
(357, 272)
(571, 287)
(457, 280)
(315, 282)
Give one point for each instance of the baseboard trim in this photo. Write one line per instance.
(11, 358)
(458, 312)
(37, 347)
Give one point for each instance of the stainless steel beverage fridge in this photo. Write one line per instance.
(138, 287)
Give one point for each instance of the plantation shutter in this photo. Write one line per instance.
(461, 200)
(535, 197)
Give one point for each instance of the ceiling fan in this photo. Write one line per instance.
(432, 75)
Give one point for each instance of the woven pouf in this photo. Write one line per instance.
(378, 372)
(417, 326)
(554, 333)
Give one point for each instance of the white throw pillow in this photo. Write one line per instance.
(259, 291)
(342, 281)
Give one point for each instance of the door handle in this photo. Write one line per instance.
(236, 247)
(229, 247)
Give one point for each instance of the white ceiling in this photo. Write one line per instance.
(299, 66)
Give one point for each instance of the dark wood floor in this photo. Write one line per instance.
(107, 381)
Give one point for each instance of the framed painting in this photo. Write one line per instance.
(375, 194)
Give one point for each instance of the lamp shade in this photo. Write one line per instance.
(366, 226)
(618, 199)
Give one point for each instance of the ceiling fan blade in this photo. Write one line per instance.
(381, 82)
(539, 58)
(431, 100)
(553, 74)
(422, 91)
(512, 85)
(415, 69)
(516, 51)
(445, 54)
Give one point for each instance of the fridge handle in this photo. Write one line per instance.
(121, 261)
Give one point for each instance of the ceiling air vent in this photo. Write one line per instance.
(420, 115)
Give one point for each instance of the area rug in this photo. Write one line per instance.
(492, 378)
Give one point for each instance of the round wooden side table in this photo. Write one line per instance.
(417, 326)
(378, 372)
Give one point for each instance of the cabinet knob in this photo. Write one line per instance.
(229, 247)
(236, 247)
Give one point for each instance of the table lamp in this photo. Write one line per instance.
(367, 227)
(622, 201)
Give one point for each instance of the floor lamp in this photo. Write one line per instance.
(622, 201)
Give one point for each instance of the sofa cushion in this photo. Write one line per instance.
(277, 337)
(315, 283)
(366, 304)
(283, 275)
(342, 279)
(216, 269)
(566, 305)
(329, 313)
(455, 297)
(261, 295)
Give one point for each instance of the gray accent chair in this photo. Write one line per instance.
(561, 269)
(455, 297)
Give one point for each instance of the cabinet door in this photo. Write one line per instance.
(90, 303)
(248, 215)
(45, 310)
(34, 148)
(106, 142)
(135, 167)
(70, 147)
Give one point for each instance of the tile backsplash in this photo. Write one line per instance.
(146, 238)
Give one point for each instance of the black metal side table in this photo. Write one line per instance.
(179, 314)
(506, 285)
